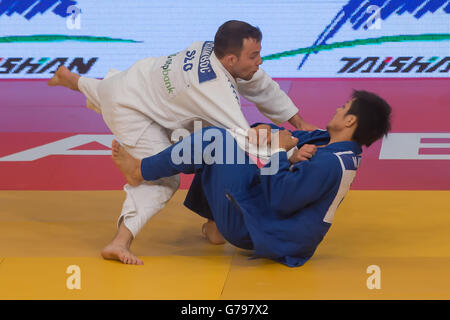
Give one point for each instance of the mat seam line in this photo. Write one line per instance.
(228, 274)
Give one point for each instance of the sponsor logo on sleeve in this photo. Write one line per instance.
(205, 71)
(165, 74)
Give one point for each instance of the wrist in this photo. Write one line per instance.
(297, 121)
(278, 150)
(301, 124)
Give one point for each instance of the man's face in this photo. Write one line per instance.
(249, 60)
(338, 121)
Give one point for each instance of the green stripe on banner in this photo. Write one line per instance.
(359, 42)
(59, 38)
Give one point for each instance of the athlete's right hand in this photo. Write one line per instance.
(285, 140)
(306, 152)
(260, 135)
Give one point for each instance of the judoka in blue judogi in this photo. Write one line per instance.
(282, 216)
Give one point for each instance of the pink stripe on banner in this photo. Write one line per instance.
(435, 140)
(36, 94)
(51, 119)
(434, 151)
(419, 105)
(376, 174)
(33, 106)
(33, 114)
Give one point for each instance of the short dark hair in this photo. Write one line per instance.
(374, 117)
(230, 37)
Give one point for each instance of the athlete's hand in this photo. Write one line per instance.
(306, 152)
(260, 135)
(285, 140)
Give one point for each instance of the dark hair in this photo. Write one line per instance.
(230, 37)
(373, 115)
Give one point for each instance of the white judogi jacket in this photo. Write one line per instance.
(190, 85)
(171, 92)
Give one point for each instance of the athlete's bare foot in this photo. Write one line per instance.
(212, 234)
(129, 166)
(121, 253)
(64, 77)
(119, 248)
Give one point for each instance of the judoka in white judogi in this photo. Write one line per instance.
(143, 104)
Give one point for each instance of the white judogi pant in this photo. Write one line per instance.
(145, 200)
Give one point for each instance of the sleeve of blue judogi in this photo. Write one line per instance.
(294, 187)
(178, 158)
(185, 156)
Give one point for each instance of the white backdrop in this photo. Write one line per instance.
(164, 27)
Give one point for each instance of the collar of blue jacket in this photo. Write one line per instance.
(319, 138)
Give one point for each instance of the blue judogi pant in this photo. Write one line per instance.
(209, 192)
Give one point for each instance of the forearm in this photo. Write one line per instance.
(273, 126)
(297, 121)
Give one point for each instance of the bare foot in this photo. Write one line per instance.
(129, 166)
(210, 231)
(64, 77)
(121, 253)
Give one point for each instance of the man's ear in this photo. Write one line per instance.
(230, 59)
(350, 120)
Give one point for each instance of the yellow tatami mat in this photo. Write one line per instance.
(42, 233)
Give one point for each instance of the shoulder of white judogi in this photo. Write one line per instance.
(208, 73)
(212, 79)
(207, 66)
(211, 93)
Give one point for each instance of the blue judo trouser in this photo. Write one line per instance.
(208, 195)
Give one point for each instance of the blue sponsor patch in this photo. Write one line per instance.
(205, 71)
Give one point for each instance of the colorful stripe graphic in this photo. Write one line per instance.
(360, 42)
(33, 7)
(70, 142)
(356, 11)
(60, 38)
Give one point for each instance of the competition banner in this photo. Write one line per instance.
(301, 39)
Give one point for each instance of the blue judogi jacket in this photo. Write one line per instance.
(288, 214)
